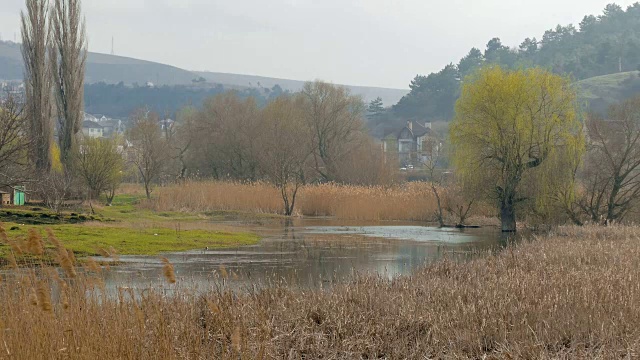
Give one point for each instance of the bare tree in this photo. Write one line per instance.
(285, 150)
(14, 143)
(180, 137)
(37, 79)
(68, 55)
(611, 174)
(224, 134)
(149, 152)
(367, 165)
(334, 119)
(432, 163)
(55, 187)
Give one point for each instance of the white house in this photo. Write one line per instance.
(92, 129)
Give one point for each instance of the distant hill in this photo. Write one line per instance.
(112, 69)
(389, 96)
(103, 68)
(599, 92)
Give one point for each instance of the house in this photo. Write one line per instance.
(92, 129)
(111, 127)
(409, 143)
(166, 124)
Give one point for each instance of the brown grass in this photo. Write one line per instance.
(572, 294)
(410, 201)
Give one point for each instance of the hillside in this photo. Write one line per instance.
(112, 69)
(389, 96)
(103, 68)
(601, 91)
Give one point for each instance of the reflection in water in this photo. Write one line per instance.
(309, 254)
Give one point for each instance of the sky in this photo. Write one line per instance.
(383, 43)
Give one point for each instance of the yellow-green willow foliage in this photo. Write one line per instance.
(517, 134)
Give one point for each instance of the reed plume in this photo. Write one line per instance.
(44, 296)
(34, 243)
(168, 271)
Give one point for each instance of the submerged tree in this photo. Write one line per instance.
(511, 131)
(285, 150)
(68, 54)
(37, 80)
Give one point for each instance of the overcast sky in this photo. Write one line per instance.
(357, 42)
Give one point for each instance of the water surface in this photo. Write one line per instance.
(309, 253)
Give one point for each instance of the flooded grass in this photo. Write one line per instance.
(572, 294)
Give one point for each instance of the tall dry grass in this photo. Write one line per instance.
(410, 201)
(573, 294)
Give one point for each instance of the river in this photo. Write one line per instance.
(309, 253)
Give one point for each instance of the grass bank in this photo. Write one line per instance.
(88, 239)
(572, 294)
(123, 227)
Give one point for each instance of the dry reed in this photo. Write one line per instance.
(168, 270)
(410, 201)
(572, 294)
(34, 243)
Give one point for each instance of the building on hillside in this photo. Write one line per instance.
(409, 143)
(92, 129)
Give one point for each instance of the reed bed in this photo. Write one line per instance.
(571, 294)
(410, 201)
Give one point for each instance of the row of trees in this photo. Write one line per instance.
(54, 52)
(315, 135)
(519, 142)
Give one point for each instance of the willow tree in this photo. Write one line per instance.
(516, 133)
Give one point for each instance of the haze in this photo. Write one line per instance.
(357, 42)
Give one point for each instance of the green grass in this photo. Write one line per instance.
(126, 208)
(134, 231)
(87, 239)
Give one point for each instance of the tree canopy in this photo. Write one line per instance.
(516, 133)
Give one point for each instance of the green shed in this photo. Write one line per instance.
(18, 195)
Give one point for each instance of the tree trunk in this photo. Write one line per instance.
(147, 189)
(507, 216)
(439, 214)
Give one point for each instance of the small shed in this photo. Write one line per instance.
(5, 198)
(18, 195)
